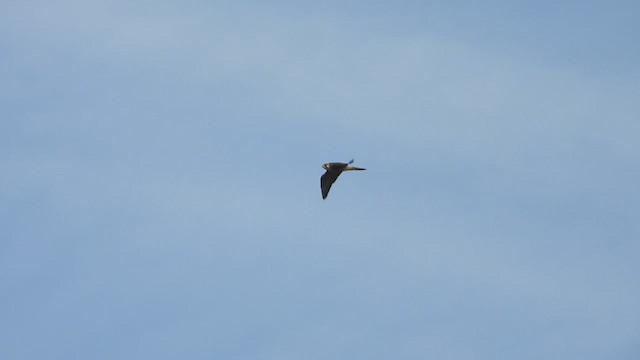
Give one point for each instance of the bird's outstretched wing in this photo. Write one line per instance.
(327, 180)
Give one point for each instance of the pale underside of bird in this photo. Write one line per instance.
(334, 170)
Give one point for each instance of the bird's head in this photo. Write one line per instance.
(325, 166)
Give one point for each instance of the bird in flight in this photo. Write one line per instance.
(334, 170)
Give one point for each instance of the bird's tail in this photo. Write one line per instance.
(349, 167)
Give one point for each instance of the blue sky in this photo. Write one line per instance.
(160, 180)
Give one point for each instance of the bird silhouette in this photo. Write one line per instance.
(334, 170)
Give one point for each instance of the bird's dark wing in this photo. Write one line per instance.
(327, 180)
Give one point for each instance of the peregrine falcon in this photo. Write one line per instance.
(334, 170)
